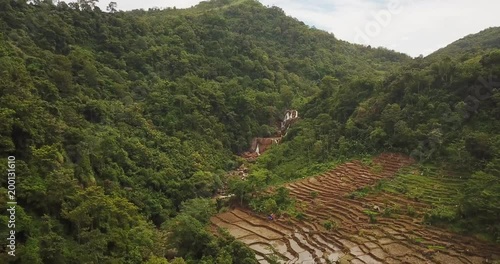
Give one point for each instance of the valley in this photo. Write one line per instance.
(377, 228)
(138, 134)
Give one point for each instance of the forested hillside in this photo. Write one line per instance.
(484, 41)
(121, 122)
(443, 110)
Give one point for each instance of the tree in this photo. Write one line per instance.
(330, 85)
(87, 4)
(286, 96)
(112, 7)
(482, 196)
(202, 183)
(240, 188)
(200, 209)
(188, 236)
(157, 260)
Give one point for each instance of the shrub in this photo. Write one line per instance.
(436, 247)
(360, 193)
(411, 211)
(377, 168)
(270, 206)
(388, 211)
(330, 224)
(441, 214)
(372, 215)
(402, 189)
(300, 216)
(367, 161)
(380, 185)
(417, 240)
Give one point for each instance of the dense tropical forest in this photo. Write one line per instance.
(124, 124)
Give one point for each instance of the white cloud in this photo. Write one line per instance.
(421, 26)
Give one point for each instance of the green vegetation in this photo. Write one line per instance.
(444, 193)
(124, 123)
(485, 41)
(436, 247)
(442, 110)
(279, 203)
(417, 240)
(186, 234)
(116, 119)
(364, 191)
(433, 188)
(360, 193)
(330, 225)
(377, 168)
(372, 215)
(367, 161)
(389, 211)
(410, 211)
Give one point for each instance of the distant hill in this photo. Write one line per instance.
(486, 40)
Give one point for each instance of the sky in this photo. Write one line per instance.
(414, 27)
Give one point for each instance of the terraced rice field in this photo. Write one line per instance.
(356, 237)
(428, 187)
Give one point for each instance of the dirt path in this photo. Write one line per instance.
(356, 239)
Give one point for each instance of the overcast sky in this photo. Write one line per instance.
(411, 26)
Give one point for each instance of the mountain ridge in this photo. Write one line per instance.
(489, 39)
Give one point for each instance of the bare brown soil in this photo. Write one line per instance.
(354, 239)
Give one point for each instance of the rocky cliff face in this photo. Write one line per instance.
(290, 117)
(260, 145)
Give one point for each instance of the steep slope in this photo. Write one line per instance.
(275, 42)
(118, 120)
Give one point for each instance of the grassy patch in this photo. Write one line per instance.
(428, 186)
(389, 210)
(360, 193)
(376, 168)
(434, 247)
(441, 213)
(363, 192)
(330, 225)
(410, 211)
(367, 161)
(372, 215)
(417, 240)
